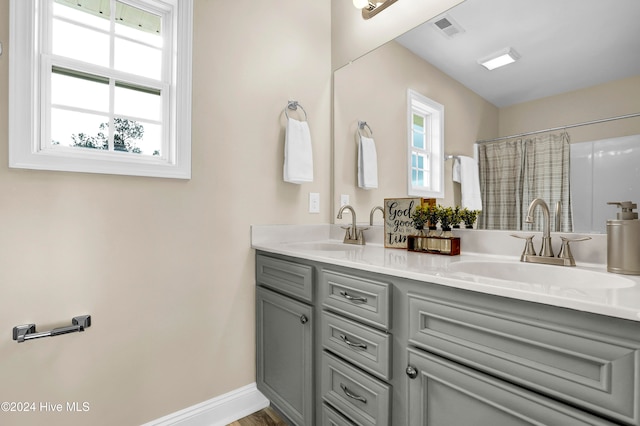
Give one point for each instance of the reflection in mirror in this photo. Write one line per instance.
(514, 172)
(426, 146)
(572, 70)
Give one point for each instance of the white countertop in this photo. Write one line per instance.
(302, 241)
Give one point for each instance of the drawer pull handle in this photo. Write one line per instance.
(355, 299)
(304, 319)
(350, 343)
(352, 395)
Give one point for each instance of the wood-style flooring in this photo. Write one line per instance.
(266, 417)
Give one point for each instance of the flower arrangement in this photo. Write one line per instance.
(469, 216)
(434, 216)
(446, 218)
(457, 217)
(420, 216)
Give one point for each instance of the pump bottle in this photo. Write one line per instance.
(623, 240)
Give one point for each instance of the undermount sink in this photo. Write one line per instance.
(553, 276)
(325, 246)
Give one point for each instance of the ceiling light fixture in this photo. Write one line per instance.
(503, 57)
(373, 7)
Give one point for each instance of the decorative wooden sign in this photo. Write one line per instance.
(397, 220)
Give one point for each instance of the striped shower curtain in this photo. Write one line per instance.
(514, 172)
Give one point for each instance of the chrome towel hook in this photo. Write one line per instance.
(22, 333)
(293, 106)
(361, 126)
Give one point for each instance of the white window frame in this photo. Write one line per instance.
(433, 112)
(28, 109)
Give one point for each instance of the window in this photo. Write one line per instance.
(101, 86)
(426, 146)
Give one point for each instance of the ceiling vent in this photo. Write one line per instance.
(448, 27)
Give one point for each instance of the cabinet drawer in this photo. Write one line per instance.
(331, 417)
(364, 346)
(446, 393)
(584, 368)
(360, 397)
(286, 277)
(359, 298)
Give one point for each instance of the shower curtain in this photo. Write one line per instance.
(514, 172)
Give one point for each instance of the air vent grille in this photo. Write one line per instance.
(448, 27)
(443, 23)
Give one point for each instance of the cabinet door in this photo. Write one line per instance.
(578, 364)
(442, 393)
(284, 354)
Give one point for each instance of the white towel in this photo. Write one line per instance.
(367, 163)
(298, 155)
(465, 171)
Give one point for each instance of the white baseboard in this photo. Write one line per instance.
(218, 411)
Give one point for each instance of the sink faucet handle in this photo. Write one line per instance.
(523, 236)
(360, 234)
(571, 240)
(565, 250)
(348, 232)
(528, 248)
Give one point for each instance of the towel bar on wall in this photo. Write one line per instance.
(293, 106)
(22, 333)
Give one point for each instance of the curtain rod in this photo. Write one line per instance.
(586, 123)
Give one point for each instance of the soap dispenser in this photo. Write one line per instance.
(623, 240)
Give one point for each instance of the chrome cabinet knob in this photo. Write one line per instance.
(304, 319)
(411, 372)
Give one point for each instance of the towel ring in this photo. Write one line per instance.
(293, 106)
(361, 126)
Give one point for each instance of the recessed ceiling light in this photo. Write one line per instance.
(499, 59)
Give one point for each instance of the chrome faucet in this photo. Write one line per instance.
(565, 257)
(353, 235)
(373, 210)
(546, 250)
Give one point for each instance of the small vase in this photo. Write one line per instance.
(433, 240)
(445, 241)
(420, 242)
(446, 232)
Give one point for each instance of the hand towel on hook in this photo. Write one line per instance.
(465, 171)
(298, 155)
(367, 163)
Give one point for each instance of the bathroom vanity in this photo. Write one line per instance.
(373, 336)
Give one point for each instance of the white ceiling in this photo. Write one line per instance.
(564, 45)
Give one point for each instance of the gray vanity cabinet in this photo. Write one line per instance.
(284, 337)
(339, 346)
(443, 393)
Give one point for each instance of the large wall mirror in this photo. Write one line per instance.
(578, 63)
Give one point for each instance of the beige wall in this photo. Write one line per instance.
(353, 36)
(374, 89)
(163, 266)
(593, 103)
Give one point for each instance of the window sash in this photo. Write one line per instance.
(110, 75)
(29, 94)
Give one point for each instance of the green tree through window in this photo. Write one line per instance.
(124, 138)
